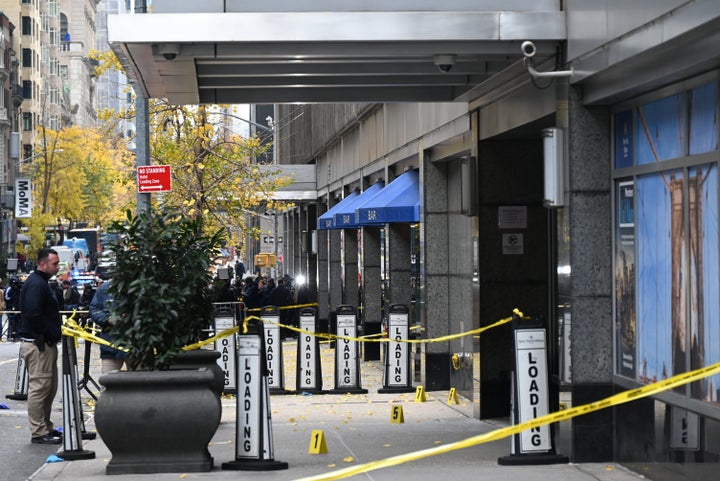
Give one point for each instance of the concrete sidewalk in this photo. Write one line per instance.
(357, 429)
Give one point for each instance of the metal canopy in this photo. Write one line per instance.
(329, 56)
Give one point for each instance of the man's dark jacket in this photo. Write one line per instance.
(39, 310)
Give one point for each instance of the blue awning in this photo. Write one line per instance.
(399, 201)
(325, 221)
(345, 218)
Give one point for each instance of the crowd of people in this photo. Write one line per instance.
(259, 291)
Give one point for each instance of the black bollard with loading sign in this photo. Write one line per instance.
(309, 371)
(253, 430)
(397, 376)
(347, 358)
(531, 397)
(273, 349)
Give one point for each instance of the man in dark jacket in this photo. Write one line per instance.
(40, 331)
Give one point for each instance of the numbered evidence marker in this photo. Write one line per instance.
(396, 415)
(453, 397)
(317, 442)
(420, 395)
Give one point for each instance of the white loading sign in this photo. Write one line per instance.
(249, 398)
(226, 346)
(308, 354)
(346, 352)
(273, 352)
(397, 350)
(532, 388)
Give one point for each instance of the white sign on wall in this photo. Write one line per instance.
(23, 198)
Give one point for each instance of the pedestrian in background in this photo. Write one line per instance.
(40, 331)
(111, 359)
(12, 303)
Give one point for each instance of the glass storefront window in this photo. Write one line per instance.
(667, 271)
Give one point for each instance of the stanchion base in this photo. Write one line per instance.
(88, 435)
(16, 397)
(75, 455)
(347, 390)
(395, 389)
(259, 465)
(530, 459)
(300, 392)
(278, 391)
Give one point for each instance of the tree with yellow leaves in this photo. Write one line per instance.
(215, 174)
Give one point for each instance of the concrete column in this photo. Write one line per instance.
(323, 276)
(587, 224)
(398, 239)
(434, 252)
(372, 289)
(351, 289)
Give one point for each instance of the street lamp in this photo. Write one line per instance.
(266, 128)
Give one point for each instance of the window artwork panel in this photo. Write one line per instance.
(626, 334)
(624, 139)
(661, 130)
(704, 302)
(703, 119)
(655, 286)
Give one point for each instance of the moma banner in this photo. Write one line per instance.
(23, 199)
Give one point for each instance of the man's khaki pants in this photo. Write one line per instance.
(42, 386)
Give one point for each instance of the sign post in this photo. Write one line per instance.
(227, 346)
(347, 360)
(273, 350)
(154, 179)
(396, 375)
(531, 389)
(309, 372)
(253, 429)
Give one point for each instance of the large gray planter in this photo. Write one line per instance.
(199, 358)
(158, 421)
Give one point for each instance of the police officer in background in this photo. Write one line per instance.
(40, 331)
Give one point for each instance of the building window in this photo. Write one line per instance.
(27, 122)
(667, 289)
(27, 55)
(27, 89)
(27, 26)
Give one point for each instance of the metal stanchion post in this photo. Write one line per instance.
(72, 414)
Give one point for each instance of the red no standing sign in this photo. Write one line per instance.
(154, 178)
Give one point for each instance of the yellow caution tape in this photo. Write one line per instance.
(621, 398)
(71, 328)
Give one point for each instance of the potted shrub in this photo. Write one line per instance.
(160, 285)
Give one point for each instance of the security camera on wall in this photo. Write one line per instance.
(444, 62)
(169, 51)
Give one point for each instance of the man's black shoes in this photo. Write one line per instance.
(47, 439)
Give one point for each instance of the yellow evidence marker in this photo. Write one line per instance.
(453, 397)
(317, 442)
(420, 395)
(396, 414)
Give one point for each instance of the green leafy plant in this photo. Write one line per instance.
(161, 285)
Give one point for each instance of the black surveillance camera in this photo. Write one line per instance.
(169, 51)
(444, 62)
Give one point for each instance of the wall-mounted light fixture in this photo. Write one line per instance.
(554, 167)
